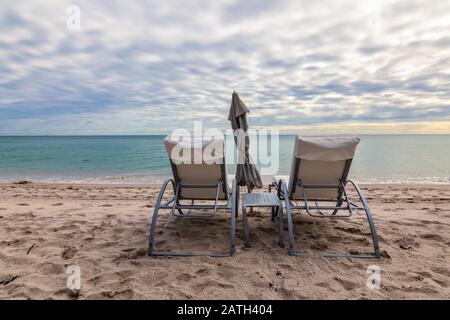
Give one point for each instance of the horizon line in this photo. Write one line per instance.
(165, 134)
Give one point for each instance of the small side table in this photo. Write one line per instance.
(262, 199)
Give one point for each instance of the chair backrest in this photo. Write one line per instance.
(322, 161)
(198, 166)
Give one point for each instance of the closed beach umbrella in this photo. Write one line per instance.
(246, 172)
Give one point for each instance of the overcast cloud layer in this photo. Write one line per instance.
(139, 67)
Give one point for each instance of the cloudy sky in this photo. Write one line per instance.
(142, 67)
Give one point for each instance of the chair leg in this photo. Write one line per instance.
(281, 227)
(283, 189)
(181, 212)
(275, 211)
(155, 215)
(283, 193)
(237, 200)
(373, 231)
(152, 252)
(233, 235)
(152, 231)
(338, 204)
(290, 232)
(246, 234)
(293, 252)
(234, 213)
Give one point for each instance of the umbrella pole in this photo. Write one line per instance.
(250, 191)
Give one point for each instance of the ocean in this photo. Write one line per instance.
(142, 159)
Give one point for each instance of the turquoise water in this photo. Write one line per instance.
(142, 159)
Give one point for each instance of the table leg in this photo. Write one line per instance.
(281, 226)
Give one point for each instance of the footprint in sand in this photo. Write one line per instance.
(126, 294)
(285, 267)
(323, 285)
(73, 294)
(69, 253)
(431, 236)
(406, 243)
(425, 274)
(333, 238)
(212, 284)
(202, 271)
(320, 246)
(185, 277)
(57, 204)
(441, 271)
(7, 278)
(352, 230)
(348, 285)
(49, 268)
(133, 253)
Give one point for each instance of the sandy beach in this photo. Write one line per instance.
(103, 229)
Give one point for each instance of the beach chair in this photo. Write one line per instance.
(195, 179)
(318, 176)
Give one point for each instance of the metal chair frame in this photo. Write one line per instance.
(174, 205)
(343, 203)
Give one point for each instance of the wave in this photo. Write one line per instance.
(158, 179)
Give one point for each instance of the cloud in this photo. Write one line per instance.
(152, 66)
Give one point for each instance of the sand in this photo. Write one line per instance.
(103, 229)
